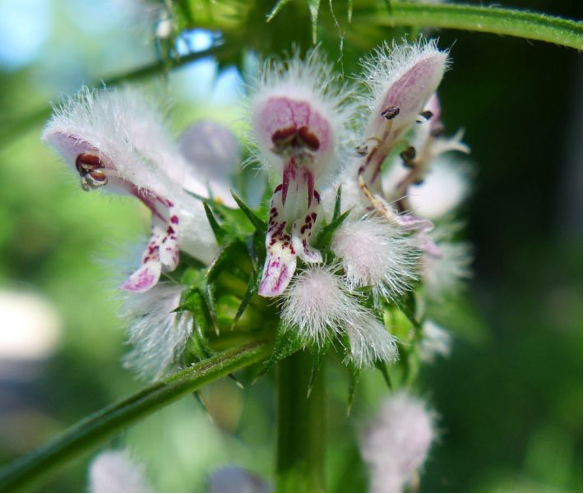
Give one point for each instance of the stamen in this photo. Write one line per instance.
(390, 112)
(91, 171)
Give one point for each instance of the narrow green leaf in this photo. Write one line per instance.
(318, 356)
(313, 7)
(275, 9)
(326, 235)
(108, 422)
(286, 344)
(354, 374)
(382, 366)
(488, 19)
(338, 201)
(218, 231)
(350, 11)
(252, 289)
(407, 305)
(255, 221)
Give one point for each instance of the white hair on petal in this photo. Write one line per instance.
(157, 334)
(314, 81)
(375, 253)
(387, 63)
(115, 471)
(396, 443)
(370, 342)
(318, 305)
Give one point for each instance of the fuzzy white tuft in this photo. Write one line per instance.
(311, 81)
(435, 341)
(396, 443)
(443, 275)
(370, 342)
(158, 335)
(375, 253)
(114, 471)
(318, 305)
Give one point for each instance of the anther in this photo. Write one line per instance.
(426, 114)
(390, 112)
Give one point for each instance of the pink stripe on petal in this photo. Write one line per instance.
(144, 278)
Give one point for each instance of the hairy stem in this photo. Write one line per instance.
(104, 424)
(493, 20)
(301, 441)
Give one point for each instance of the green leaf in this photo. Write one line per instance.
(286, 344)
(259, 225)
(354, 374)
(337, 211)
(407, 304)
(318, 356)
(218, 231)
(325, 236)
(350, 10)
(488, 19)
(275, 9)
(382, 366)
(313, 7)
(252, 289)
(108, 422)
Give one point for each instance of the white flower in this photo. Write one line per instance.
(435, 341)
(444, 271)
(299, 121)
(114, 471)
(319, 306)
(115, 140)
(157, 334)
(401, 79)
(214, 153)
(376, 253)
(396, 443)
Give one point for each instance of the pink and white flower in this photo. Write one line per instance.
(299, 121)
(115, 140)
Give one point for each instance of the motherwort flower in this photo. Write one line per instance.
(375, 253)
(299, 121)
(115, 140)
(396, 443)
(400, 79)
(320, 307)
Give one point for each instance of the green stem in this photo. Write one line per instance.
(301, 441)
(492, 20)
(104, 424)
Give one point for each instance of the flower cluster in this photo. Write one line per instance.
(359, 176)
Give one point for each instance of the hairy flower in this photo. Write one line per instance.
(114, 140)
(114, 471)
(319, 306)
(401, 79)
(157, 334)
(299, 121)
(377, 254)
(396, 443)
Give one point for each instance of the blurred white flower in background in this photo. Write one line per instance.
(30, 326)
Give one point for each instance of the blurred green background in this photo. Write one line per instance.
(510, 395)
